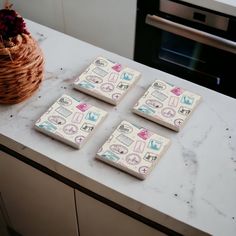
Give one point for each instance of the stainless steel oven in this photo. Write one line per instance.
(191, 42)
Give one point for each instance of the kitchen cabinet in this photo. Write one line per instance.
(96, 218)
(36, 203)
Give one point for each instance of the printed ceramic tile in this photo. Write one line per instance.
(133, 149)
(107, 80)
(167, 105)
(70, 120)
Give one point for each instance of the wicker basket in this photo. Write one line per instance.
(21, 69)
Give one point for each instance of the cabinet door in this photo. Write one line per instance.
(36, 203)
(96, 218)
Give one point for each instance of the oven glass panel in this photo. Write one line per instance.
(185, 53)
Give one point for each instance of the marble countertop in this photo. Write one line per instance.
(225, 6)
(194, 182)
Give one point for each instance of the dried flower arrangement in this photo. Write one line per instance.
(11, 24)
(21, 59)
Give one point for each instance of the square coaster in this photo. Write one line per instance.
(71, 121)
(106, 80)
(167, 105)
(133, 149)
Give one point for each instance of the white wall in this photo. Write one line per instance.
(46, 12)
(109, 24)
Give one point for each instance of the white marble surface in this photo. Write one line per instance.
(225, 6)
(193, 183)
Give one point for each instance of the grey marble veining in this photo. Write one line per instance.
(193, 185)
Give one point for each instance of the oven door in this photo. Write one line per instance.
(189, 53)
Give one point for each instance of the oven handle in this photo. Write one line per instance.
(191, 33)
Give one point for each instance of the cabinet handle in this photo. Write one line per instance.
(191, 33)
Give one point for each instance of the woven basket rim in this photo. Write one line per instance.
(18, 41)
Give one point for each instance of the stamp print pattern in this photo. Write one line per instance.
(63, 111)
(57, 120)
(86, 127)
(133, 159)
(100, 71)
(125, 139)
(107, 87)
(106, 80)
(94, 79)
(79, 139)
(154, 144)
(168, 112)
(147, 110)
(70, 129)
(110, 156)
(187, 100)
(83, 106)
(178, 122)
(119, 149)
(64, 101)
(139, 146)
(127, 76)
(159, 85)
(101, 62)
(123, 86)
(184, 111)
(173, 101)
(113, 77)
(133, 149)
(70, 120)
(167, 104)
(86, 85)
(144, 134)
(117, 67)
(92, 116)
(143, 170)
(116, 96)
(177, 91)
(161, 96)
(77, 117)
(151, 157)
(124, 128)
(154, 103)
(47, 126)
